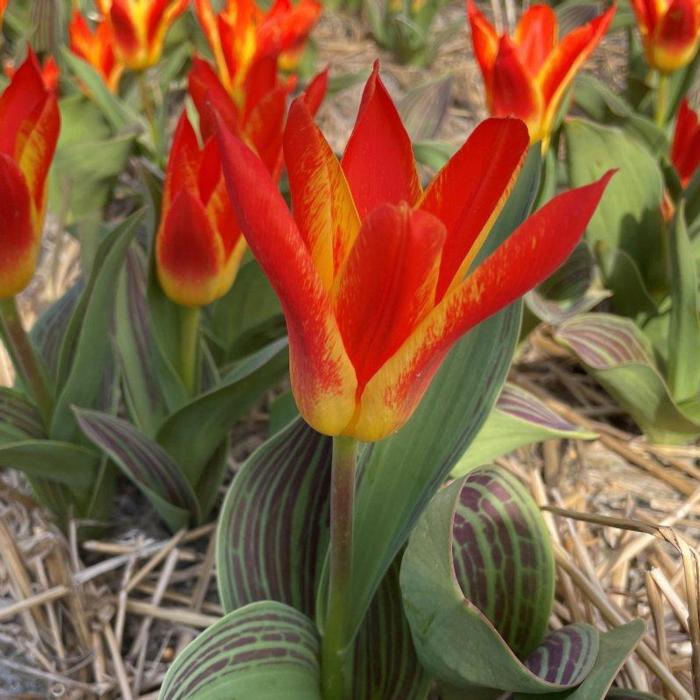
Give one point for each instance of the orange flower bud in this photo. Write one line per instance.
(198, 245)
(670, 31)
(30, 124)
(96, 48)
(139, 28)
(527, 75)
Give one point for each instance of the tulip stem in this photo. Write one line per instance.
(24, 358)
(189, 346)
(661, 99)
(335, 634)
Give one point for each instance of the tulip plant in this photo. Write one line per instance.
(367, 550)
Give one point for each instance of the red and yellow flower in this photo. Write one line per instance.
(50, 72)
(96, 48)
(527, 75)
(685, 150)
(30, 124)
(198, 245)
(242, 35)
(258, 119)
(139, 28)
(375, 275)
(670, 31)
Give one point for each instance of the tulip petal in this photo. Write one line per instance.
(188, 252)
(316, 91)
(323, 379)
(378, 160)
(21, 104)
(19, 237)
(205, 89)
(485, 42)
(388, 284)
(536, 35)
(647, 13)
(322, 204)
(286, 25)
(182, 172)
(513, 90)
(537, 248)
(685, 152)
(566, 60)
(676, 36)
(469, 192)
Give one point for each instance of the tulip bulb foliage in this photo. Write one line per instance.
(527, 75)
(375, 274)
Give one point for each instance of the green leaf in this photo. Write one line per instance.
(264, 651)
(615, 646)
(518, 418)
(86, 353)
(194, 432)
(478, 585)
(423, 109)
(617, 354)
(684, 331)
(59, 462)
(146, 463)
(571, 290)
(434, 154)
(629, 214)
(19, 417)
(628, 694)
(235, 321)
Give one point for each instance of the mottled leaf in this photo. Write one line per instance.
(423, 109)
(264, 651)
(19, 417)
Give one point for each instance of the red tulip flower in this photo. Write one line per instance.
(670, 31)
(376, 276)
(198, 245)
(30, 124)
(96, 48)
(242, 34)
(50, 72)
(527, 75)
(139, 28)
(685, 151)
(259, 118)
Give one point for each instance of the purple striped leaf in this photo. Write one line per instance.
(518, 418)
(261, 651)
(618, 355)
(478, 586)
(19, 417)
(146, 463)
(271, 544)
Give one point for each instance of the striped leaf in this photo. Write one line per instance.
(628, 694)
(518, 418)
(273, 527)
(478, 586)
(264, 651)
(86, 361)
(146, 463)
(571, 290)
(271, 542)
(619, 356)
(19, 417)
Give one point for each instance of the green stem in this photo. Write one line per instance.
(336, 685)
(662, 88)
(24, 358)
(189, 342)
(148, 108)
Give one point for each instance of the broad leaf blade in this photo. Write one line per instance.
(19, 417)
(616, 353)
(264, 651)
(479, 563)
(194, 432)
(86, 354)
(518, 418)
(145, 462)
